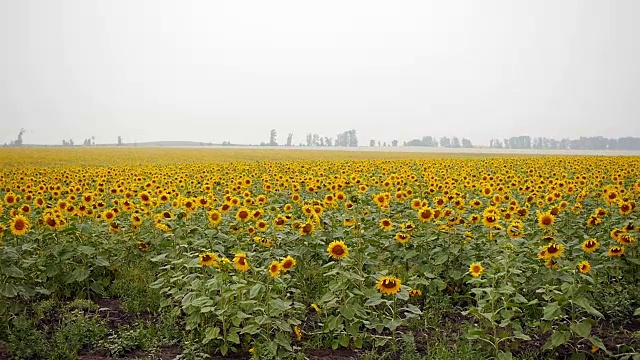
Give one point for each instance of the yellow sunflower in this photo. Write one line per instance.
(402, 237)
(476, 269)
(208, 259)
(389, 285)
(545, 219)
(385, 224)
(338, 250)
(19, 225)
(287, 263)
(584, 267)
(274, 269)
(553, 250)
(241, 263)
(616, 251)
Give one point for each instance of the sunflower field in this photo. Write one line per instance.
(277, 254)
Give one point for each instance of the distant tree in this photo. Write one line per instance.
(379, 143)
(445, 142)
(466, 143)
(119, 140)
(289, 139)
(394, 143)
(372, 143)
(455, 142)
(309, 139)
(272, 138)
(328, 141)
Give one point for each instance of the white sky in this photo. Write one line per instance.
(232, 70)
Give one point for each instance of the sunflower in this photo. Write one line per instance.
(626, 239)
(208, 259)
(415, 292)
(19, 225)
(615, 233)
(385, 224)
(402, 237)
(215, 217)
(545, 219)
(274, 269)
(408, 226)
(348, 222)
(142, 246)
(287, 263)
(584, 267)
(338, 250)
(306, 229)
(489, 219)
(262, 226)
(593, 220)
(136, 219)
(108, 215)
(425, 214)
(243, 214)
(241, 263)
(298, 332)
(476, 269)
(616, 251)
(515, 230)
(10, 199)
(553, 250)
(389, 285)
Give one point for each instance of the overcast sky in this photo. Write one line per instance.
(232, 70)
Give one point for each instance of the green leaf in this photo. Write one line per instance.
(12, 271)
(255, 290)
(8, 290)
(583, 303)
(637, 312)
(233, 336)
(552, 311)
(211, 334)
(441, 259)
(583, 328)
(504, 356)
(100, 261)
(344, 340)
(558, 338)
(374, 301)
(521, 336)
(597, 342)
(251, 329)
(347, 312)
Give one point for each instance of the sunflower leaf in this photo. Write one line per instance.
(583, 303)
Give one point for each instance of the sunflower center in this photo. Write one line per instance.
(546, 220)
(389, 284)
(241, 261)
(337, 250)
(20, 225)
(552, 249)
(206, 258)
(287, 264)
(243, 214)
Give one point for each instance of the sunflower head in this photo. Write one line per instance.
(389, 285)
(287, 263)
(208, 259)
(584, 267)
(476, 269)
(19, 225)
(616, 251)
(241, 263)
(275, 269)
(338, 250)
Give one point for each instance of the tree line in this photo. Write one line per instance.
(445, 141)
(582, 143)
(347, 138)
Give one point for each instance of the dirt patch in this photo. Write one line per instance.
(4, 352)
(331, 354)
(111, 311)
(165, 353)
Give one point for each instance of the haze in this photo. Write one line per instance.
(218, 71)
